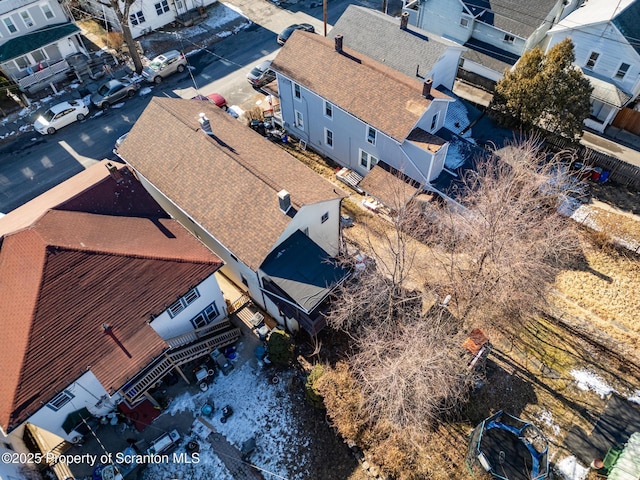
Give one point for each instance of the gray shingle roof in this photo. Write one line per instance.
(379, 36)
(520, 17)
(628, 22)
(228, 183)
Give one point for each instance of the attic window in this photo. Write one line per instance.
(593, 58)
(296, 91)
(622, 71)
(509, 38)
(464, 22)
(60, 400)
(182, 303)
(371, 135)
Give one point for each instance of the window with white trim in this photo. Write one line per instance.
(137, 18)
(22, 62)
(10, 25)
(434, 122)
(179, 5)
(299, 120)
(367, 160)
(206, 316)
(622, 70)
(26, 18)
(162, 7)
(328, 110)
(371, 135)
(46, 10)
(325, 217)
(183, 302)
(464, 22)
(60, 400)
(509, 38)
(593, 58)
(328, 137)
(296, 91)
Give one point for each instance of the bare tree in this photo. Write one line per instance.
(122, 13)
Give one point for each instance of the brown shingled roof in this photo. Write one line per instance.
(228, 183)
(384, 98)
(66, 275)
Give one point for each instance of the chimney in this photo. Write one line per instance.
(205, 125)
(426, 88)
(114, 172)
(285, 200)
(338, 41)
(404, 20)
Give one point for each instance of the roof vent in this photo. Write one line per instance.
(285, 200)
(205, 125)
(404, 20)
(426, 88)
(338, 41)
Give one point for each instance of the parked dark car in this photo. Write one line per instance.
(112, 92)
(261, 74)
(286, 33)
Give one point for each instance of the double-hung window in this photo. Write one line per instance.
(60, 400)
(367, 160)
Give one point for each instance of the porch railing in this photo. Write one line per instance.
(223, 334)
(43, 74)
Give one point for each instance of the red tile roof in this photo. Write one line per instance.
(382, 97)
(66, 275)
(228, 182)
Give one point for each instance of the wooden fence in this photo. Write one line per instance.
(629, 120)
(619, 171)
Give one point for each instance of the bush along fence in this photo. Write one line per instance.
(618, 170)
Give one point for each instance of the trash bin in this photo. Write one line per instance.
(595, 174)
(260, 351)
(604, 176)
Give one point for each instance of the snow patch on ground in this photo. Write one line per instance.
(261, 409)
(219, 15)
(145, 91)
(635, 397)
(457, 119)
(587, 380)
(546, 417)
(571, 469)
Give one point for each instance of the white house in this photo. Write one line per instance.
(101, 293)
(496, 33)
(606, 38)
(405, 48)
(357, 111)
(35, 39)
(145, 17)
(273, 221)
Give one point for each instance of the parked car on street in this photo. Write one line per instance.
(286, 33)
(216, 98)
(61, 115)
(164, 65)
(261, 74)
(112, 92)
(119, 141)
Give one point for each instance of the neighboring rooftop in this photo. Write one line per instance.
(33, 41)
(70, 273)
(606, 91)
(489, 55)
(513, 16)
(227, 182)
(378, 95)
(408, 51)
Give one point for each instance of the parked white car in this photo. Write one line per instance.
(61, 115)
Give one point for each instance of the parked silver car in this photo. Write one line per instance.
(261, 74)
(112, 92)
(164, 65)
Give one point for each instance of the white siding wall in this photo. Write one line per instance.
(494, 36)
(444, 70)
(87, 392)
(326, 234)
(209, 290)
(349, 132)
(481, 70)
(442, 17)
(11, 9)
(613, 49)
